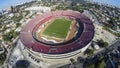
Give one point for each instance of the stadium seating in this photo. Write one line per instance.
(28, 39)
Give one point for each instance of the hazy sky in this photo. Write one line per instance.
(111, 2)
(5, 3)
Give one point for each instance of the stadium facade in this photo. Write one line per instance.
(42, 52)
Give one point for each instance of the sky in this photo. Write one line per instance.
(6, 3)
(111, 2)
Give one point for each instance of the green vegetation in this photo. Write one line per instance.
(18, 24)
(78, 8)
(58, 28)
(89, 52)
(108, 50)
(72, 60)
(97, 62)
(19, 16)
(8, 36)
(4, 27)
(17, 19)
(119, 25)
(61, 7)
(26, 12)
(101, 43)
(2, 58)
(90, 66)
(101, 64)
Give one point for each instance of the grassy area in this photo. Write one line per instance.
(59, 28)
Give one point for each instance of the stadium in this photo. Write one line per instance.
(57, 35)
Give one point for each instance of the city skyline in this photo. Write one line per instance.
(110, 2)
(6, 3)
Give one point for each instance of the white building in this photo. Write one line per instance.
(39, 9)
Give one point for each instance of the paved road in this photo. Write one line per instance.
(9, 54)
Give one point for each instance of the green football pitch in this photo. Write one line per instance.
(58, 28)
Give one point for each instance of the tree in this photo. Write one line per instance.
(18, 24)
(2, 58)
(8, 36)
(101, 43)
(90, 66)
(101, 64)
(89, 52)
(72, 60)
